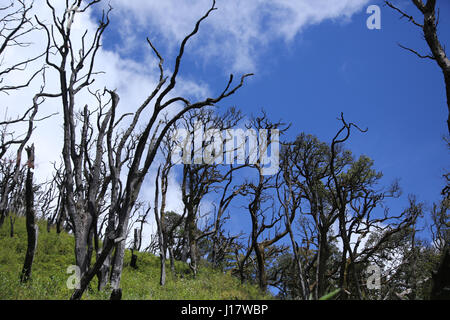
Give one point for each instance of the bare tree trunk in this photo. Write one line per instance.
(32, 228)
(2, 217)
(61, 217)
(87, 277)
(117, 262)
(116, 271)
(133, 262)
(103, 272)
(322, 264)
(11, 222)
(191, 227)
(159, 217)
(162, 280)
(81, 251)
(262, 276)
(171, 258)
(447, 89)
(430, 33)
(441, 278)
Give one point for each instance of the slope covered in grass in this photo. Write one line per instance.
(55, 254)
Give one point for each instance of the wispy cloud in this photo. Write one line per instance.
(236, 34)
(239, 31)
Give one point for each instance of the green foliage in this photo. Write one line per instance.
(330, 295)
(55, 253)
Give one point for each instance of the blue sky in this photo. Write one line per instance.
(312, 60)
(336, 65)
(400, 98)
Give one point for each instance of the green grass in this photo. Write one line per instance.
(55, 253)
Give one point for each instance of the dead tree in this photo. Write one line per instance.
(441, 277)
(242, 260)
(174, 224)
(32, 228)
(159, 217)
(14, 175)
(60, 211)
(123, 194)
(290, 197)
(197, 181)
(46, 194)
(221, 245)
(260, 227)
(261, 193)
(136, 242)
(355, 197)
(430, 32)
(203, 175)
(440, 227)
(76, 71)
(305, 167)
(55, 215)
(15, 24)
(440, 231)
(164, 231)
(12, 189)
(137, 235)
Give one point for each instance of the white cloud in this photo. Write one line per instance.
(394, 256)
(134, 81)
(239, 30)
(359, 236)
(235, 34)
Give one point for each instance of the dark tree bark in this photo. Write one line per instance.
(135, 149)
(305, 167)
(75, 74)
(437, 49)
(11, 180)
(164, 231)
(12, 221)
(440, 230)
(87, 277)
(355, 195)
(430, 33)
(162, 234)
(133, 261)
(15, 24)
(260, 192)
(159, 217)
(199, 179)
(32, 228)
(137, 235)
(441, 277)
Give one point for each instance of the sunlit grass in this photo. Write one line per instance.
(55, 253)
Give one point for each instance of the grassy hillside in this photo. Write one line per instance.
(55, 253)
